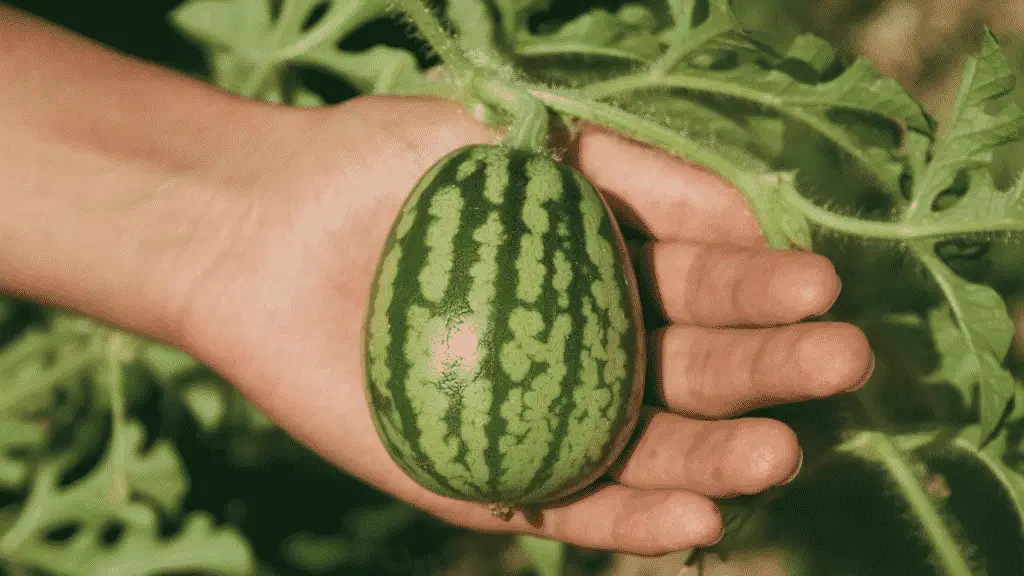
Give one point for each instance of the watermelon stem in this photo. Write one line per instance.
(529, 128)
(502, 511)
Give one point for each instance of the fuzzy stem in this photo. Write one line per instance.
(631, 125)
(699, 83)
(877, 447)
(678, 51)
(435, 35)
(898, 231)
(529, 131)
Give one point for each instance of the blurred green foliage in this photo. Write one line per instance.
(197, 481)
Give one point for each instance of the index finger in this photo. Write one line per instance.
(662, 196)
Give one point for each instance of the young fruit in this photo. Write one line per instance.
(504, 341)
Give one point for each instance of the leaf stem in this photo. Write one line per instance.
(631, 125)
(679, 50)
(897, 231)
(701, 83)
(529, 130)
(439, 40)
(877, 447)
(31, 344)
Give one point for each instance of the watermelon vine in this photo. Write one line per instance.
(832, 156)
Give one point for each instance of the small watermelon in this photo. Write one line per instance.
(504, 347)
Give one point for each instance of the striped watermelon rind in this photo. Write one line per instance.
(504, 348)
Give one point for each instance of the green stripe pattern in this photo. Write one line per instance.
(502, 341)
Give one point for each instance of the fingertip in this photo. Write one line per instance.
(699, 524)
(838, 355)
(681, 520)
(806, 284)
(764, 454)
(644, 522)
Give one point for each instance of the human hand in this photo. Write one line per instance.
(279, 307)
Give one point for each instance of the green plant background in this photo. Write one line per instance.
(195, 481)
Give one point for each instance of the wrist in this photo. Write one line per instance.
(119, 181)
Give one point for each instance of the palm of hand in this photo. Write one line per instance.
(280, 312)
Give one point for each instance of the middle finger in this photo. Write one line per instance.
(713, 373)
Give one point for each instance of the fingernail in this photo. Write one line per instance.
(720, 536)
(867, 375)
(839, 292)
(799, 465)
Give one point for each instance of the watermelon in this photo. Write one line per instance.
(503, 338)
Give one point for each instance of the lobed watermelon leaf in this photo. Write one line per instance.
(972, 133)
(966, 151)
(247, 43)
(811, 101)
(19, 439)
(628, 34)
(154, 481)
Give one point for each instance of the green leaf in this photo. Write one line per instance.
(30, 347)
(515, 15)
(245, 42)
(548, 556)
(19, 436)
(305, 98)
(141, 550)
(860, 91)
(381, 69)
(101, 499)
(241, 27)
(957, 365)
(206, 403)
(36, 364)
(983, 206)
(168, 365)
(477, 31)
(986, 331)
(973, 133)
(597, 33)
(966, 150)
(689, 37)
